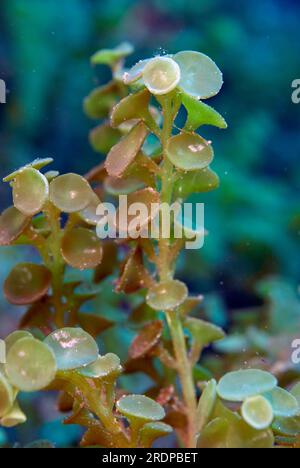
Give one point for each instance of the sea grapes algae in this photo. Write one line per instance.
(79, 288)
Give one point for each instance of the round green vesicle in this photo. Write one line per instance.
(161, 75)
(200, 76)
(240, 385)
(257, 412)
(284, 404)
(27, 283)
(189, 152)
(30, 365)
(6, 395)
(81, 248)
(140, 407)
(135, 73)
(167, 295)
(12, 224)
(11, 339)
(105, 366)
(30, 191)
(14, 417)
(70, 193)
(73, 348)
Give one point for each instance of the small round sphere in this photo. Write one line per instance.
(70, 193)
(30, 365)
(161, 75)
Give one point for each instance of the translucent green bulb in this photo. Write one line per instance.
(161, 75)
(72, 347)
(30, 191)
(70, 193)
(30, 365)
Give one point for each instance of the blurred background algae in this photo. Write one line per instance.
(248, 269)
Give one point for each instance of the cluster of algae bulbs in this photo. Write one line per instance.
(192, 72)
(262, 400)
(31, 364)
(39, 196)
